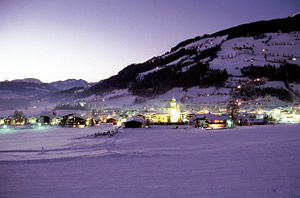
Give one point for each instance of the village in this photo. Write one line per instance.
(233, 113)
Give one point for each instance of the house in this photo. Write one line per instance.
(44, 120)
(32, 120)
(199, 120)
(2, 121)
(68, 116)
(134, 122)
(10, 120)
(212, 121)
(102, 117)
(255, 119)
(113, 120)
(73, 120)
(242, 120)
(216, 121)
(45, 117)
(56, 120)
(250, 119)
(149, 114)
(76, 121)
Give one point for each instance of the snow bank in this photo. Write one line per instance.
(162, 161)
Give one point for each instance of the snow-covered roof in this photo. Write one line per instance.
(135, 118)
(212, 116)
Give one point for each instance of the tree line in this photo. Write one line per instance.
(286, 72)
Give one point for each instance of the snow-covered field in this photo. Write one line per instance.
(161, 161)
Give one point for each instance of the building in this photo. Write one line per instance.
(211, 121)
(163, 117)
(77, 121)
(10, 120)
(169, 115)
(134, 122)
(32, 120)
(113, 121)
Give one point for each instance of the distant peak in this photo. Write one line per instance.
(28, 80)
(295, 14)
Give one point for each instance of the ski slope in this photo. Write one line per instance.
(161, 161)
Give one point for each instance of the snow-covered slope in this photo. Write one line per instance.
(115, 98)
(236, 53)
(273, 49)
(207, 61)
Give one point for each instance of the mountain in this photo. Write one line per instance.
(28, 80)
(68, 84)
(21, 92)
(18, 94)
(25, 89)
(262, 59)
(214, 61)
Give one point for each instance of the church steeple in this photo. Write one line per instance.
(175, 112)
(173, 103)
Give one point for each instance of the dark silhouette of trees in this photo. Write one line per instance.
(286, 72)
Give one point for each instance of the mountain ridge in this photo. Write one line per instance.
(208, 63)
(203, 53)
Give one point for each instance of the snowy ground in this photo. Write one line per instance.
(279, 46)
(258, 161)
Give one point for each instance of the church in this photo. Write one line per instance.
(171, 114)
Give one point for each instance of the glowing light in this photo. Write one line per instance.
(229, 123)
(175, 115)
(119, 123)
(5, 126)
(39, 124)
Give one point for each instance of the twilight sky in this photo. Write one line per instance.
(93, 39)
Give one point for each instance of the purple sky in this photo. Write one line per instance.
(94, 39)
